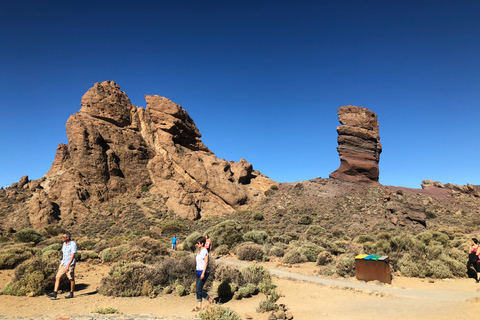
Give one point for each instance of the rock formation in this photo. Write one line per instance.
(115, 147)
(358, 146)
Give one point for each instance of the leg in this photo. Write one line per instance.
(202, 293)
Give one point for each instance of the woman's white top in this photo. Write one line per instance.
(201, 260)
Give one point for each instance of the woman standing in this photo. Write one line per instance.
(473, 257)
(202, 271)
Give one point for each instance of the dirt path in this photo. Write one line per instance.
(305, 294)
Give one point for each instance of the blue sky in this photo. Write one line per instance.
(261, 79)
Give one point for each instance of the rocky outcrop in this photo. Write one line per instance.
(456, 190)
(358, 146)
(115, 148)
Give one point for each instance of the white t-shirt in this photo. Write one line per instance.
(200, 260)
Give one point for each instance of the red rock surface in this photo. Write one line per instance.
(115, 147)
(358, 146)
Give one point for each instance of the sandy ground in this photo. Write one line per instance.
(405, 298)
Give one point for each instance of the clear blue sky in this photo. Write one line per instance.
(262, 79)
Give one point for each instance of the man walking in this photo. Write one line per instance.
(174, 242)
(67, 266)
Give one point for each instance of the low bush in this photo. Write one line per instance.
(258, 237)
(217, 312)
(267, 305)
(35, 276)
(229, 232)
(86, 255)
(102, 245)
(250, 251)
(258, 216)
(227, 273)
(126, 279)
(107, 310)
(222, 250)
(310, 251)
(28, 235)
(115, 253)
(345, 267)
(314, 230)
(324, 258)
(293, 256)
(12, 257)
(365, 238)
(190, 242)
(172, 227)
(181, 290)
(255, 274)
(277, 251)
(305, 219)
(86, 243)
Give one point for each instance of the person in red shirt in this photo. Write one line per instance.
(208, 243)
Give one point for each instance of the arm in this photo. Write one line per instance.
(204, 267)
(70, 261)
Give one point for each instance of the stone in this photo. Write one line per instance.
(115, 148)
(272, 316)
(359, 146)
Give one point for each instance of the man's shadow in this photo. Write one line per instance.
(81, 287)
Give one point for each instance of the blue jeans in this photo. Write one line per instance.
(200, 292)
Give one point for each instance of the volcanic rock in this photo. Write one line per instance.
(115, 148)
(358, 146)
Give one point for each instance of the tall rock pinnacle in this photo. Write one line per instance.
(359, 146)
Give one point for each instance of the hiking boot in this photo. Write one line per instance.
(52, 295)
(69, 295)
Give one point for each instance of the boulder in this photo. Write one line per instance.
(115, 148)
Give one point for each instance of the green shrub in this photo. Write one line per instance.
(277, 251)
(314, 230)
(126, 279)
(365, 238)
(258, 216)
(217, 312)
(324, 258)
(229, 232)
(222, 250)
(172, 227)
(228, 274)
(250, 251)
(86, 244)
(34, 276)
(190, 242)
(115, 253)
(293, 256)
(345, 267)
(310, 251)
(259, 237)
(267, 305)
(12, 257)
(255, 274)
(181, 291)
(410, 267)
(306, 220)
(102, 245)
(144, 189)
(107, 310)
(28, 235)
(86, 255)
